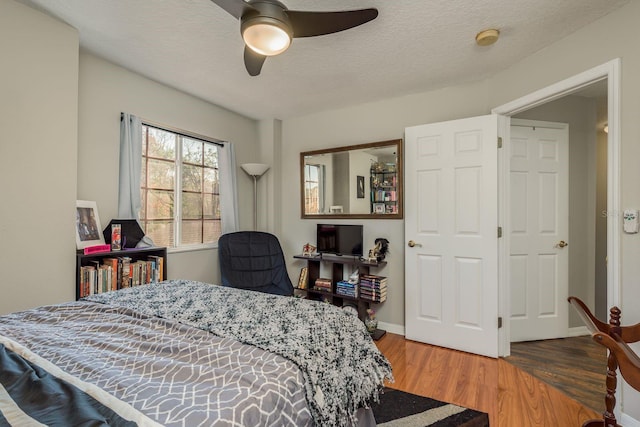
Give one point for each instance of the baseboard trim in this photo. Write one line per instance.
(628, 421)
(392, 327)
(578, 331)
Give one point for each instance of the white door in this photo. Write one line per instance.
(451, 283)
(539, 230)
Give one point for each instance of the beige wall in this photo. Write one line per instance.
(602, 310)
(106, 90)
(38, 146)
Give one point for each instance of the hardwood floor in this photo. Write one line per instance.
(511, 397)
(576, 366)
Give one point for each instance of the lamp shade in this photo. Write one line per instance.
(267, 40)
(255, 169)
(266, 36)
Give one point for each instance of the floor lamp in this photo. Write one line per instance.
(256, 170)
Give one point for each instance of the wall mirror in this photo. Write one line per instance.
(357, 181)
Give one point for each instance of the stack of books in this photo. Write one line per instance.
(323, 285)
(373, 288)
(347, 289)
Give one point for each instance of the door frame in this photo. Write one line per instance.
(611, 72)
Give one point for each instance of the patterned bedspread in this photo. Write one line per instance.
(148, 370)
(342, 368)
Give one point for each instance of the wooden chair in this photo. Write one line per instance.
(621, 356)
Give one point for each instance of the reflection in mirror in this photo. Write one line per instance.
(359, 181)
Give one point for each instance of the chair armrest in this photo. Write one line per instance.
(591, 322)
(628, 360)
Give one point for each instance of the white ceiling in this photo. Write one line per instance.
(413, 46)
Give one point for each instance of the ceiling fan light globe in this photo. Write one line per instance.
(266, 38)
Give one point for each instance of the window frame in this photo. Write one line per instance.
(309, 181)
(177, 190)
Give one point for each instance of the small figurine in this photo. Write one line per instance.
(379, 251)
(308, 250)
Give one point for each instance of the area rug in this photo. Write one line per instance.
(400, 409)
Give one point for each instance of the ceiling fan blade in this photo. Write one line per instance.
(308, 24)
(235, 7)
(253, 61)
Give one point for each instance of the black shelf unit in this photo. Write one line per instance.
(337, 274)
(134, 254)
(384, 191)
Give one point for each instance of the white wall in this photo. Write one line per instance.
(106, 90)
(38, 146)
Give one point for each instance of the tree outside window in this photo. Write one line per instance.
(312, 189)
(179, 189)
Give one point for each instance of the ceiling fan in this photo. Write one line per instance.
(267, 26)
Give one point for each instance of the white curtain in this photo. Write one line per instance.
(130, 166)
(228, 188)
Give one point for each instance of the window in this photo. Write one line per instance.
(311, 189)
(179, 189)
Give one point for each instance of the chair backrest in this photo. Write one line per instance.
(253, 260)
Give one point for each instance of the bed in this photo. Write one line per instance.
(184, 353)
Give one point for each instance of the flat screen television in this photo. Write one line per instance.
(339, 239)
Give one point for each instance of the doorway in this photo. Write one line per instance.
(597, 88)
(427, 141)
(539, 229)
(534, 350)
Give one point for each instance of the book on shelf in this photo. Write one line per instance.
(158, 268)
(322, 284)
(385, 196)
(113, 263)
(346, 288)
(379, 297)
(124, 279)
(304, 278)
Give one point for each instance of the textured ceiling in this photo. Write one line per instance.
(413, 46)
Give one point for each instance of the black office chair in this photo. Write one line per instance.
(253, 260)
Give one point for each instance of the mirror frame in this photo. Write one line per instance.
(399, 180)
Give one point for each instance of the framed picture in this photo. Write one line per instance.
(378, 208)
(360, 187)
(88, 228)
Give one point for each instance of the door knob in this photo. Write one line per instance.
(411, 244)
(561, 244)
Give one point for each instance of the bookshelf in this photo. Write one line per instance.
(154, 268)
(336, 264)
(384, 194)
